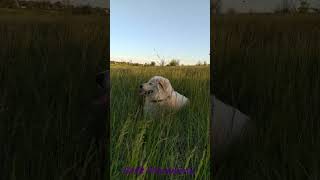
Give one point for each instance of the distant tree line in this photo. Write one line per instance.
(173, 62)
(64, 5)
(286, 7)
(8, 4)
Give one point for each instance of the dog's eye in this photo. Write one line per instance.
(150, 83)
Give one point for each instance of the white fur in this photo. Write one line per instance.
(162, 97)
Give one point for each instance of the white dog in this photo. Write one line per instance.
(160, 96)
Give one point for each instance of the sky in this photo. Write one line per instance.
(259, 5)
(173, 29)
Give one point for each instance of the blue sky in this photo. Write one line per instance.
(178, 29)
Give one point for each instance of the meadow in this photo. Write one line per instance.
(48, 62)
(174, 141)
(268, 66)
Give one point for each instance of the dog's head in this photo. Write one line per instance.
(156, 88)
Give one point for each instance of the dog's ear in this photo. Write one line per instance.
(165, 85)
(161, 83)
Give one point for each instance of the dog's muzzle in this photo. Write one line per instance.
(144, 93)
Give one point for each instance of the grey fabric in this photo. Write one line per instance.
(228, 123)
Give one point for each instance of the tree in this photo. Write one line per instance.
(174, 62)
(152, 63)
(285, 7)
(304, 6)
(162, 60)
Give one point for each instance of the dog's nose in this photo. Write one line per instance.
(141, 86)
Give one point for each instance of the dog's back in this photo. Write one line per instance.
(173, 104)
(178, 100)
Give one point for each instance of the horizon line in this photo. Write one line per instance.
(157, 62)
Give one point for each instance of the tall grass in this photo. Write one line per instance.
(268, 66)
(175, 141)
(48, 63)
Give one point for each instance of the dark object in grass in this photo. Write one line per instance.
(98, 124)
(229, 126)
(101, 80)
